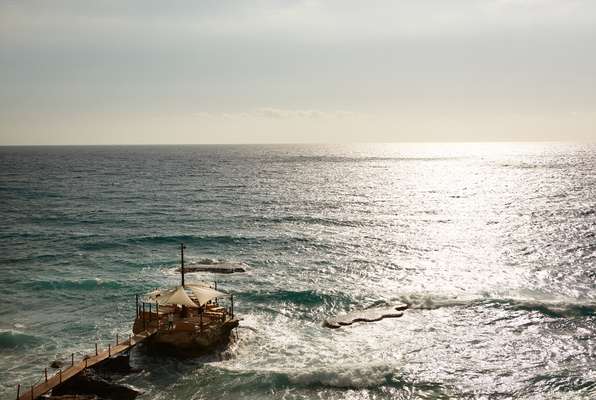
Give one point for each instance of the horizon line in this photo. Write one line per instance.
(294, 143)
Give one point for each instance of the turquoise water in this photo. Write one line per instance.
(494, 247)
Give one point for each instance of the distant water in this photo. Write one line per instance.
(493, 245)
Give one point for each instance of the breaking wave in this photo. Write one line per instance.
(10, 339)
(353, 377)
(552, 308)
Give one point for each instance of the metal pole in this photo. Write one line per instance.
(60, 374)
(72, 359)
(18, 390)
(137, 304)
(31, 392)
(232, 309)
(182, 247)
(86, 363)
(109, 350)
(45, 372)
(116, 339)
(95, 348)
(150, 312)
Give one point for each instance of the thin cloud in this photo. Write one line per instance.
(282, 113)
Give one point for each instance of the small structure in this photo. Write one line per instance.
(198, 325)
(189, 318)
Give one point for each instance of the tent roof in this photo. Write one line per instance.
(159, 294)
(204, 294)
(178, 296)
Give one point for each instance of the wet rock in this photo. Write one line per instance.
(119, 364)
(57, 364)
(368, 315)
(216, 267)
(90, 384)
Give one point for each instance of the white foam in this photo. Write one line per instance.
(349, 376)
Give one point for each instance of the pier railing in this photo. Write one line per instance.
(46, 383)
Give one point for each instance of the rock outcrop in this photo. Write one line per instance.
(366, 315)
(216, 267)
(88, 383)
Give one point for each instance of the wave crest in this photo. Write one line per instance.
(10, 339)
(551, 308)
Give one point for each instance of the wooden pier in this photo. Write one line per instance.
(49, 383)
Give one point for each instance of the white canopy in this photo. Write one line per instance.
(159, 294)
(178, 296)
(204, 294)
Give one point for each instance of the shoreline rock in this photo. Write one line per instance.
(88, 383)
(366, 315)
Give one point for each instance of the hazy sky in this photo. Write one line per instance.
(154, 71)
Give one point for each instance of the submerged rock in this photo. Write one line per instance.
(367, 315)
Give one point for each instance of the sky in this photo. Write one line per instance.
(292, 71)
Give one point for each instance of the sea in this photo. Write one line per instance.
(492, 246)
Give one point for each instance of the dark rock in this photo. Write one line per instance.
(57, 364)
(368, 315)
(88, 383)
(119, 364)
(216, 267)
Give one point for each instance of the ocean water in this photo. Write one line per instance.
(492, 245)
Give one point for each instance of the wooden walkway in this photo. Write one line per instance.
(62, 376)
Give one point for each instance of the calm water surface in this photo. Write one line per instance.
(493, 245)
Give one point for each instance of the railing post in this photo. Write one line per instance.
(45, 372)
(95, 348)
(72, 359)
(150, 312)
(31, 392)
(86, 363)
(232, 300)
(116, 339)
(18, 391)
(60, 374)
(109, 350)
(137, 304)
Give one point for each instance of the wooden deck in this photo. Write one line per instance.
(77, 367)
